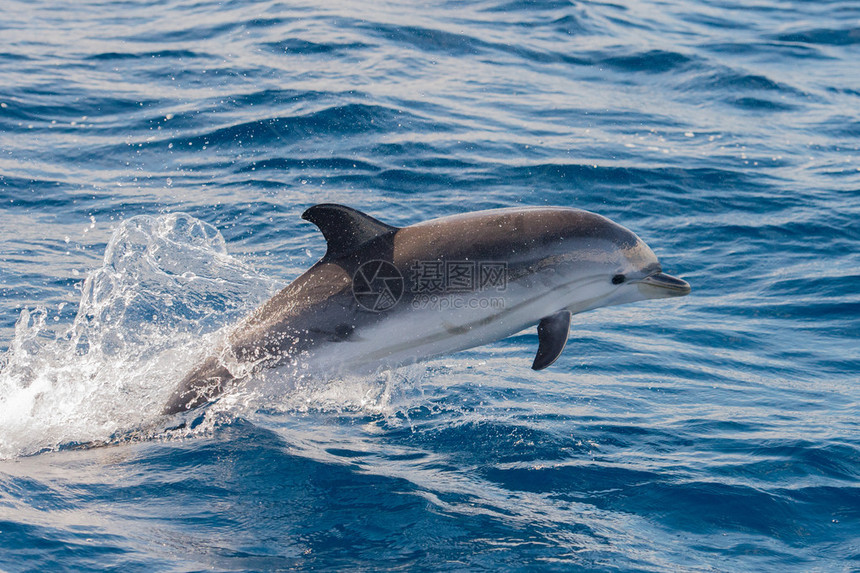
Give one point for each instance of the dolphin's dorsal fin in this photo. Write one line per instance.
(344, 228)
(552, 336)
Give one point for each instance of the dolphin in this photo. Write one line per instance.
(384, 296)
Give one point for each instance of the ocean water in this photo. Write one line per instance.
(155, 158)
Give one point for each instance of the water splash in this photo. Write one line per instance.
(164, 295)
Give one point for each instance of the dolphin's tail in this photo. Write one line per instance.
(203, 384)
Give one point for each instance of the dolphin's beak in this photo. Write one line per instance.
(662, 285)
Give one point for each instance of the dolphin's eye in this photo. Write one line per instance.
(618, 279)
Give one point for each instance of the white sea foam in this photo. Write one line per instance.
(165, 292)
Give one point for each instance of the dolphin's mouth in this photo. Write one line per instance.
(661, 285)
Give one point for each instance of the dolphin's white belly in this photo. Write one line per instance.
(412, 334)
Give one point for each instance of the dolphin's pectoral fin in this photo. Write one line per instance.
(345, 229)
(552, 336)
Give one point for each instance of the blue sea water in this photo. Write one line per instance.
(155, 158)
